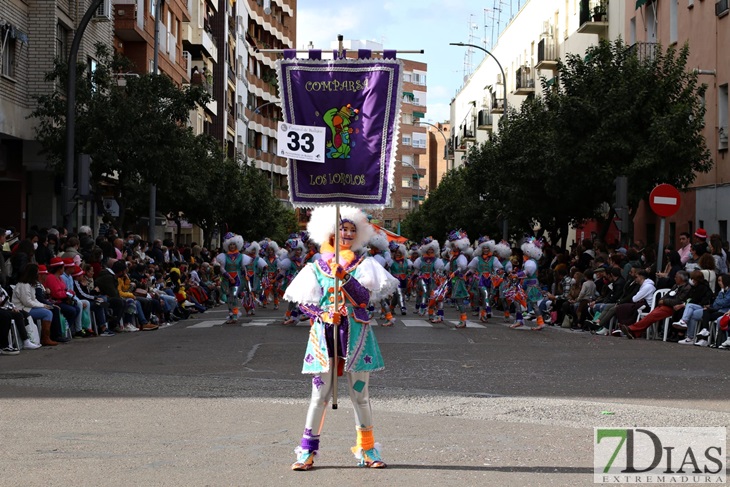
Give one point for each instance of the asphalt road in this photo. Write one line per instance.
(201, 403)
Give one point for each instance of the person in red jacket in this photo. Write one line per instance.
(60, 296)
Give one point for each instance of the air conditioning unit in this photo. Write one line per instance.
(104, 12)
(722, 8)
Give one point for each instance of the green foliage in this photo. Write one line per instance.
(554, 162)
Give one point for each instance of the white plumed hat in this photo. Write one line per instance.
(322, 225)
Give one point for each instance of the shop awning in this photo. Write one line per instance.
(640, 3)
(419, 115)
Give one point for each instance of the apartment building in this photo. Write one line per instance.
(705, 26)
(266, 24)
(539, 34)
(32, 34)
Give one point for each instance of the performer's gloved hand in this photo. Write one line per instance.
(337, 270)
(521, 274)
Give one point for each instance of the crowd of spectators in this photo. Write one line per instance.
(76, 285)
(619, 290)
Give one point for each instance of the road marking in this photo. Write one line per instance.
(206, 324)
(469, 324)
(417, 323)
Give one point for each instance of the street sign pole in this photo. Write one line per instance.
(664, 201)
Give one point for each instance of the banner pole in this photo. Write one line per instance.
(336, 315)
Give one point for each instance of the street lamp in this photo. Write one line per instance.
(504, 92)
(257, 111)
(504, 78)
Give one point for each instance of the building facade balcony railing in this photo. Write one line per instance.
(593, 17)
(129, 23)
(497, 104)
(524, 81)
(201, 80)
(547, 54)
(484, 120)
(646, 52)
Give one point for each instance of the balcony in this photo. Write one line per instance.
(497, 104)
(547, 54)
(200, 80)
(593, 17)
(484, 120)
(524, 81)
(200, 37)
(129, 22)
(646, 52)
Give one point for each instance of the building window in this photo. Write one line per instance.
(8, 59)
(419, 140)
(419, 78)
(389, 224)
(405, 203)
(406, 182)
(406, 118)
(61, 42)
(406, 139)
(407, 77)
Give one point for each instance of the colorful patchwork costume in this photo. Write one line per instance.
(362, 281)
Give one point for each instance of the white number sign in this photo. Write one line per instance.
(301, 142)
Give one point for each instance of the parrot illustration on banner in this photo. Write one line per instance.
(339, 120)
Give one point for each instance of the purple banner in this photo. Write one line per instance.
(358, 103)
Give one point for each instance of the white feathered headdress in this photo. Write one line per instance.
(322, 225)
(253, 248)
(379, 240)
(231, 238)
(532, 248)
(429, 243)
(503, 250)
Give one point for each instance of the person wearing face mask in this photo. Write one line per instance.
(699, 299)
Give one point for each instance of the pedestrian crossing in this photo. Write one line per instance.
(268, 321)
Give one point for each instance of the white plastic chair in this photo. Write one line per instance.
(643, 312)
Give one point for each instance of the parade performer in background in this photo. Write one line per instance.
(290, 267)
(500, 279)
(412, 289)
(363, 281)
(272, 277)
(255, 266)
(532, 252)
(400, 268)
(458, 242)
(427, 266)
(379, 251)
(234, 273)
(484, 265)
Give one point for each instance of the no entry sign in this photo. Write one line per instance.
(664, 200)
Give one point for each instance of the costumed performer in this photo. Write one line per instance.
(362, 280)
(234, 273)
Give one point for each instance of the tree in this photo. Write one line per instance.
(612, 113)
(136, 134)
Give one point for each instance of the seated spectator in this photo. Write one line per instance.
(627, 309)
(126, 291)
(615, 286)
(59, 295)
(707, 267)
(673, 301)
(105, 283)
(84, 289)
(718, 253)
(23, 255)
(719, 307)
(15, 316)
(665, 279)
(699, 299)
(72, 251)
